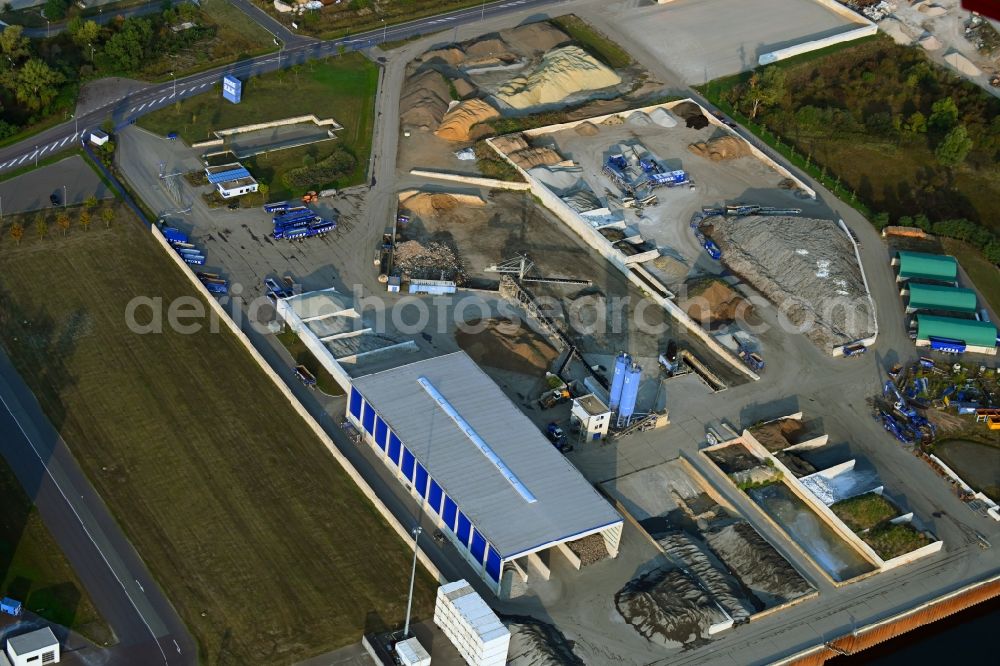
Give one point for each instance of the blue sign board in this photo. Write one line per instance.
(232, 89)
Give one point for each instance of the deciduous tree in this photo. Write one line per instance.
(63, 221)
(954, 148)
(85, 219)
(763, 89)
(41, 226)
(36, 84)
(107, 215)
(17, 232)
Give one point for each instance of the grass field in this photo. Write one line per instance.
(258, 537)
(34, 570)
(983, 274)
(342, 87)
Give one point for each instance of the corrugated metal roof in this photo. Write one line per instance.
(235, 173)
(566, 504)
(937, 297)
(30, 642)
(970, 331)
(925, 266)
(322, 303)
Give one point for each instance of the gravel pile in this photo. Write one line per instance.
(433, 261)
(807, 268)
(589, 549)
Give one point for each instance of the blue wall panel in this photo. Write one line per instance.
(449, 513)
(493, 564)
(464, 527)
(434, 497)
(420, 480)
(478, 548)
(368, 419)
(394, 448)
(355, 403)
(381, 432)
(407, 466)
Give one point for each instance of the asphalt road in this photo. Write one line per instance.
(128, 107)
(148, 628)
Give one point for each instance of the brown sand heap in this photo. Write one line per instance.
(692, 115)
(499, 343)
(451, 55)
(463, 88)
(430, 204)
(562, 72)
(720, 148)
(807, 267)
(425, 100)
(714, 302)
(587, 128)
(532, 157)
(758, 565)
(510, 143)
(488, 52)
(457, 122)
(535, 37)
(778, 435)
(433, 261)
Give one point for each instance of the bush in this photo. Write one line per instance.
(322, 173)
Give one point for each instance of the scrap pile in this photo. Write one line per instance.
(433, 261)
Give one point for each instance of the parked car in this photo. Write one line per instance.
(54, 199)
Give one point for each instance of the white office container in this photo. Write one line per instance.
(474, 629)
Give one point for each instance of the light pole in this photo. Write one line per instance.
(175, 84)
(482, 17)
(385, 30)
(36, 155)
(64, 197)
(413, 574)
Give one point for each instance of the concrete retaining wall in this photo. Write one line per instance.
(869, 341)
(221, 134)
(317, 429)
(806, 47)
(492, 183)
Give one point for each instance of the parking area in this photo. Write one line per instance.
(70, 179)
(701, 40)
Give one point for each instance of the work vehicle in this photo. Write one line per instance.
(855, 349)
(552, 398)
(54, 199)
(713, 249)
(277, 207)
(172, 135)
(306, 377)
(753, 360)
(558, 438)
(194, 259)
(174, 235)
(310, 197)
(9, 606)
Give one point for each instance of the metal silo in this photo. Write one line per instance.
(618, 380)
(630, 392)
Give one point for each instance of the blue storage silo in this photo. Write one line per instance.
(630, 392)
(618, 380)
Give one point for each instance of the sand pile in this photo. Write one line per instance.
(805, 266)
(962, 64)
(638, 119)
(424, 101)
(433, 261)
(720, 148)
(757, 563)
(714, 302)
(463, 88)
(673, 269)
(561, 73)
(724, 588)
(488, 52)
(510, 143)
(534, 643)
(778, 435)
(532, 157)
(930, 43)
(451, 55)
(429, 204)
(457, 122)
(667, 607)
(586, 128)
(691, 114)
(535, 37)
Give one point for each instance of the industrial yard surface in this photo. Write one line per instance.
(236, 506)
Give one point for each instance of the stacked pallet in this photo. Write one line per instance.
(472, 627)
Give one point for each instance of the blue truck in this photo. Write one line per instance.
(277, 207)
(10, 606)
(194, 259)
(174, 235)
(712, 249)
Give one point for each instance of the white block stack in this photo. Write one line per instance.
(412, 653)
(472, 627)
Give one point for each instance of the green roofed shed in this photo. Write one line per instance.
(937, 297)
(923, 266)
(971, 332)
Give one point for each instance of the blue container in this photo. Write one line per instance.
(10, 606)
(174, 235)
(618, 380)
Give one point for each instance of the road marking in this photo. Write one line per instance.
(44, 149)
(3, 165)
(177, 646)
(76, 134)
(143, 106)
(183, 91)
(131, 110)
(64, 142)
(22, 159)
(162, 98)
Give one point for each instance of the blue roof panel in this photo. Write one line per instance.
(231, 174)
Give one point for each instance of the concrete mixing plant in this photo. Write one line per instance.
(630, 392)
(622, 362)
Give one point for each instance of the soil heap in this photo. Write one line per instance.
(720, 148)
(758, 565)
(561, 73)
(532, 157)
(457, 122)
(430, 204)
(714, 302)
(425, 100)
(805, 266)
(535, 37)
(451, 55)
(692, 115)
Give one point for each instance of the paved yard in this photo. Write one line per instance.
(31, 191)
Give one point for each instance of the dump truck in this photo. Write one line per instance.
(553, 397)
(855, 349)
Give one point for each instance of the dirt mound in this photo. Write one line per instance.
(428, 204)
(485, 48)
(433, 261)
(691, 114)
(507, 346)
(671, 267)
(611, 121)
(778, 435)
(452, 55)
(587, 129)
(535, 37)
(463, 88)
(714, 302)
(638, 119)
(510, 143)
(808, 267)
(532, 157)
(456, 123)
(720, 148)
(424, 101)
(535, 643)
(757, 563)
(562, 72)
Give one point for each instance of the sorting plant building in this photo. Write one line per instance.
(479, 467)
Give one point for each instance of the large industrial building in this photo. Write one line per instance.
(924, 266)
(953, 335)
(480, 468)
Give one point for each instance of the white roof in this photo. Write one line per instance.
(32, 641)
(319, 304)
(565, 505)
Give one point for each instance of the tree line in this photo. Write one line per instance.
(84, 216)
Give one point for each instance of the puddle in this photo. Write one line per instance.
(828, 550)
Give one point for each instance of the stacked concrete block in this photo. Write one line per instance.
(472, 627)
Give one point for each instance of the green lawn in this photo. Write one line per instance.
(258, 537)
(891, 541)
(343, 87)
(864, 511)
(34, 570)
(605, 49)
(983, 274)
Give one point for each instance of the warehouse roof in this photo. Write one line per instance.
(495, 492)
(321, 304)
(937, 297)
(969, 331)
(924, 266)
(32, 641)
